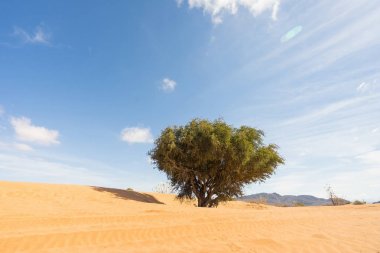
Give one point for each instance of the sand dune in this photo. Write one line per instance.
(70, 218)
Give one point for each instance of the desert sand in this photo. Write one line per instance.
(70, 218)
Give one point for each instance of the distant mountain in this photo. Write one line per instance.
(378, 202)
(287, 200)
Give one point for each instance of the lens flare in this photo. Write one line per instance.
(291, 33)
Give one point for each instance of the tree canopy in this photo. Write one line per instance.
(212, 161)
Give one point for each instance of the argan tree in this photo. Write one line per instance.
(212, 161)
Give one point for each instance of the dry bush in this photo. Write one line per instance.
(335, 200)
(358, 202)
(165, 188)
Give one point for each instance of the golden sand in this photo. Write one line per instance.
(70, 218)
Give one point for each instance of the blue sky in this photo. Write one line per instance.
(85, 87)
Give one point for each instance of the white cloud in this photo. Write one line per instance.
(22, 147)
(216, 8)
(275, 10)
(2, 111)
(25, 131)
(168, 84)
(136, 135)
(39, 36)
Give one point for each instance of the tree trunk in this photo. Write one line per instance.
(205, 199)
(200, 202)
(205, 202)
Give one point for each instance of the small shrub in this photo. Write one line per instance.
(358, 202)
(129, 189)
(299, 204)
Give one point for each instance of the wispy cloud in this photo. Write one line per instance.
(2, 111)
(38, 36)
(26, 131)
(330, 109)
(320, 48)
(15, 146)
(136, 135)
(23, 147)
(30, 167)
(168, 85)
(218, 8)
(321, 98)
(372, 158)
